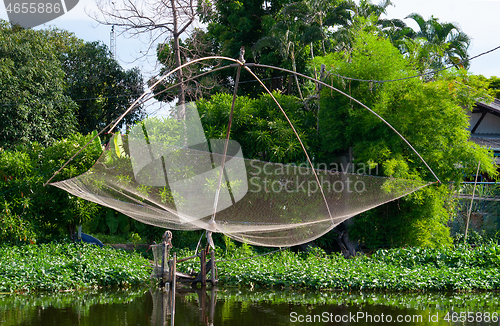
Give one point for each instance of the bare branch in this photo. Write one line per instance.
(162, 21)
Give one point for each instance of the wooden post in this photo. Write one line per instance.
(203, 269)
(172, 287)
(212, 267)
(163, 265)
(212, 306)
(173, 271)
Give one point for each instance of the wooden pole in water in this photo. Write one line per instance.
(203, 268)
(212, 305)
(172, 287)
(163, 264)
(212, 267)
(174, 269)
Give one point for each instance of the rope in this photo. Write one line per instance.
(113, 124)
(298, 138)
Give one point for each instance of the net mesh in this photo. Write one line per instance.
(165, 173)
(158, 259)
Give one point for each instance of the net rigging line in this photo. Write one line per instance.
(236, 63)
(255, 81)
(279, 223)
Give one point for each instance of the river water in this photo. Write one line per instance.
(232, 306)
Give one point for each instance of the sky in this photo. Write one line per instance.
(477, 18)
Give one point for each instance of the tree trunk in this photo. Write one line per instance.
(344, 242)
(296, 79)
(177, 55)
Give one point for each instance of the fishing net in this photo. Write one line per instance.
(164, 172)
(158, 259)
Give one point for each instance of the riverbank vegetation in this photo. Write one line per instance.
(346, 45)
(68, 266)
(412, 269)
(59, 267)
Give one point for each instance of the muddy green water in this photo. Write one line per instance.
(247, 308)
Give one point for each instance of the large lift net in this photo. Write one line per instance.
(165, 173)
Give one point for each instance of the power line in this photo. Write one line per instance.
(253, 81)
(69, 99)
(416, 76)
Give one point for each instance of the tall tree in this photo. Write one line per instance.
(232, 25)
(447, 41)
(366, 13)
(431, 115)
(34, 106)
(101, 88)
(160, 20)
(284, 36)
(196, 45)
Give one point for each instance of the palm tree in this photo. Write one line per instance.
(318, 16)
(368, 13)
(304, 23)
(284, 36)
(366, 8)
(448, 37)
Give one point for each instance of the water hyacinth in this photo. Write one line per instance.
(55, 267)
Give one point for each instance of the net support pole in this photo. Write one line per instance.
(228, 132)
(163, 265)
(203, 260)
(212, 267)
(471, 202)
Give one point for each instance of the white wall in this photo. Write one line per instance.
(489, 125)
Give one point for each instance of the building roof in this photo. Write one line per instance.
(490, 141)
(493, 108)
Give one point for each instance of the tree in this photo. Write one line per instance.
(193, 47)
(34, 106)
(367, 14)
(431, 115)
(232, 25)
(321, 16)
(37, 212)
(284, 36)
(100, 86)
(160, 20)
(447, 41)
(259, 127)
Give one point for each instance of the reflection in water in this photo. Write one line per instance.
(231, 307)
(164, 305)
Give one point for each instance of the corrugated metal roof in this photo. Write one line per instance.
(493, 106)
(490, 141)
(485, 119)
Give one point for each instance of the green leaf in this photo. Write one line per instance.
(111, 221)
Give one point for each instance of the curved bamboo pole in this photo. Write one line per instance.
(246, 66)
(355, 100)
